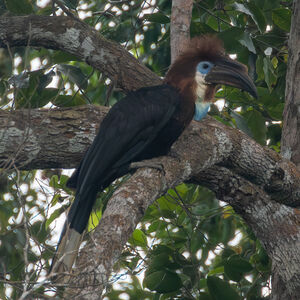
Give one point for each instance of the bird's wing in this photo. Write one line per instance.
(128, 128)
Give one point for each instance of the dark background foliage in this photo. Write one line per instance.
(189, 245)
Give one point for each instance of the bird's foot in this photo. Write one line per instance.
(148, 164)
(173, 154)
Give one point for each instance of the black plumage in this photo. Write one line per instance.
(142, 125)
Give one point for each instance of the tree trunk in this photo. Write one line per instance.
(180, 26)
(290, 148)
(290, 143)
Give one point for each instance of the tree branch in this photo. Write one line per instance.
(58, 138)
(77, 38)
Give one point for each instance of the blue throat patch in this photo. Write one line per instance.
(201, 110)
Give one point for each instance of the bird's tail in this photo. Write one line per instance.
(71, 236)
(67, 250)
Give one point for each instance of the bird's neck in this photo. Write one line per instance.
(201, 110)
(202, 104)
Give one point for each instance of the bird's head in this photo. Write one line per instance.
(203, 66)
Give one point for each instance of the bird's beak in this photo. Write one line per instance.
(230, 72)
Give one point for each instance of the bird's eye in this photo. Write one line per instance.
(204, 67)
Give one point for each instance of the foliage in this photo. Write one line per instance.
(183, 247)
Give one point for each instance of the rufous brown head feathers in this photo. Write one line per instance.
(204, 48)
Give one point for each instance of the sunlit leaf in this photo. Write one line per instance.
(53, 217)
(138, 238)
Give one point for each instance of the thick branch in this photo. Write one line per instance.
(33, 139)
(75, 37)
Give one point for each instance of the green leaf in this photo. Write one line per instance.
(219, 270)
(257, 124)
(75, 75)
(257, 16)
(196, 241)
(282, 18)
(19, 7)
(44, 80)
(270, 78)
(246, 41)
(254, 12)
(60, 57)
(138, 238)
(55, 199)
(236, 267)
(53, 216)
(165, 204)
(231, 38)
(37, 100)
(54, 182)
(161, 249)
(166, 213)
(63, 179)
(157, 18)
(158, 262)
(220, 289)
(162, 281)
(94, 219)
(204, 296)
(276, 111)
(198, 28)
(227, 252)
(71, 3)
(241, 123)
(259, 68)
(32, 92)
(156, 225)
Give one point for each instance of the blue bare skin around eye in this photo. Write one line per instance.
(203, 71)
(201, 110)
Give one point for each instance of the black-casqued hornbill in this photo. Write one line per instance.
(144, 125)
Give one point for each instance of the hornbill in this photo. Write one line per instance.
(144, 125)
